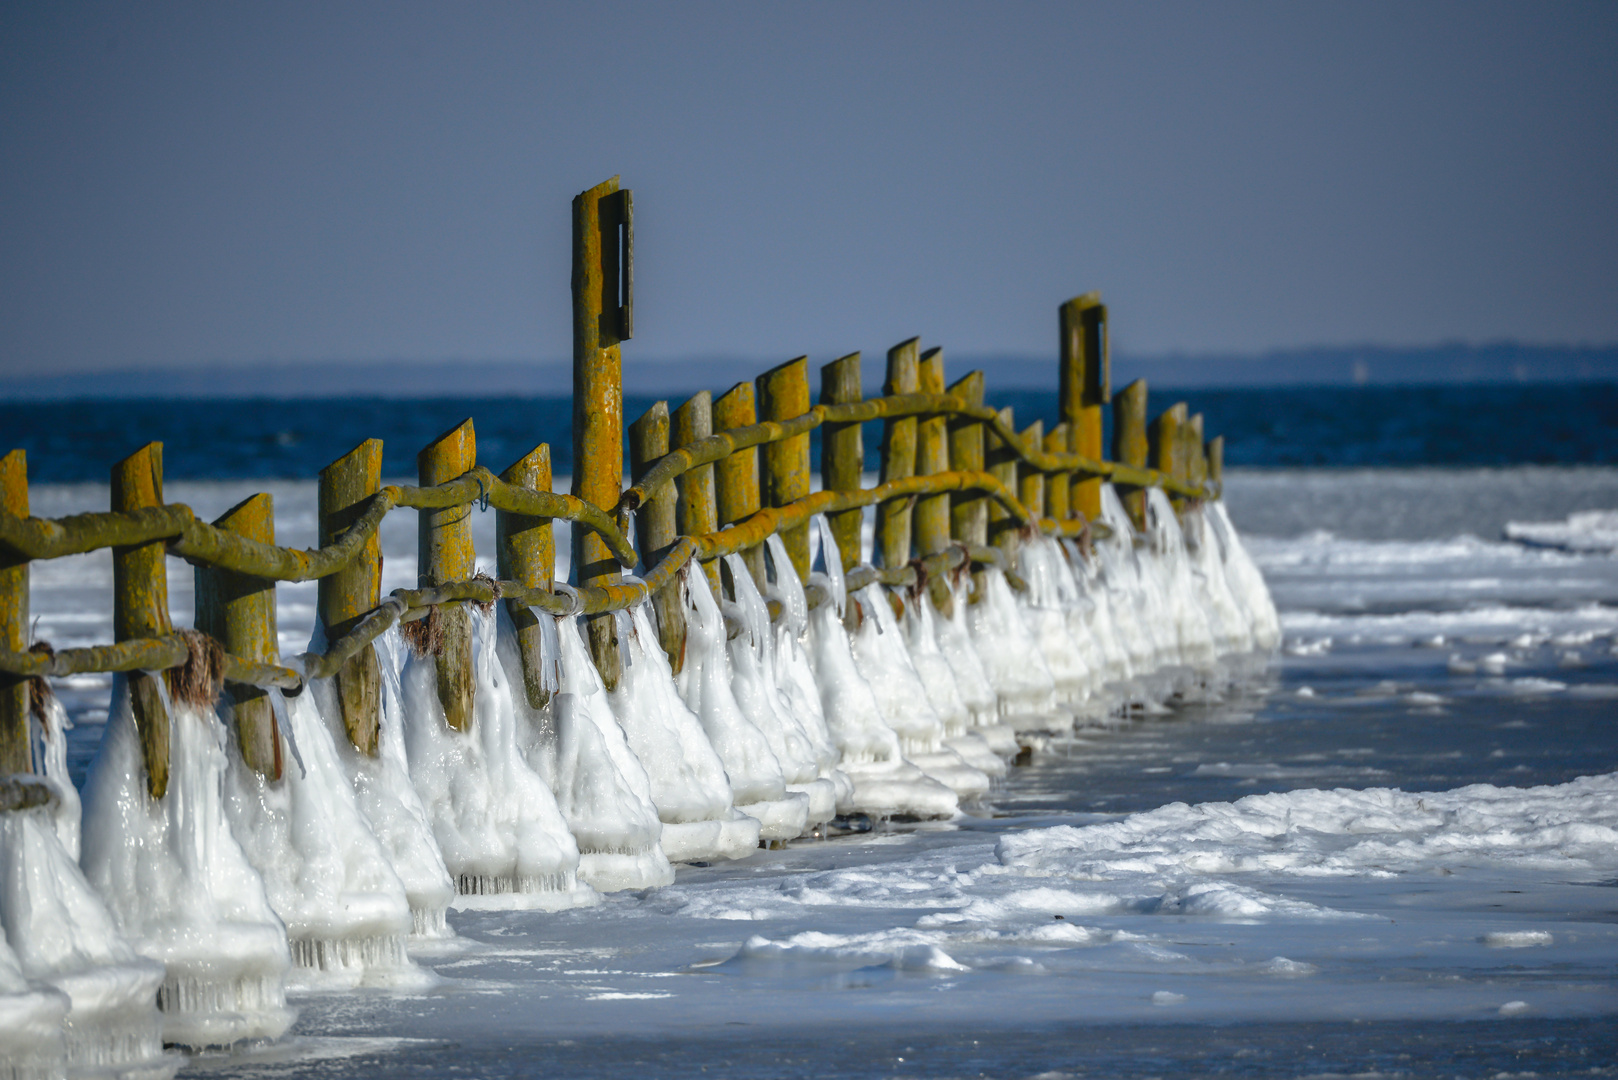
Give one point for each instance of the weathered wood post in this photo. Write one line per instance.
(930, 520)
(842, 452)
(1129, 444)
(525, 552)
(1031, 482)
(15, 755)
(1085, 388)
(346, 487)
(736, 476)
(1001, 459)
(444, 554)
(969, 510)
(603, 275)
(1167, 454)
(783, 393)
(696, 508)
(1216, 461)
(898, 457)
(238, 611)
(655, 526)
(1196, 462)
(1058, 485)
(140, 605)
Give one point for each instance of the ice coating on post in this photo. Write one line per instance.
(954, 637)
(943, 689)
(178, 885)
(1014, 663)
(705, 685)
(31, 1036)
(1189, 620)
(688, 782)
(601, 787)
(885, 784)
(384, 793)
(882, 657)
(493, 816)
(49, 740)
(1044, 611)
(1246, 583)
(346, 911)
(57, 933)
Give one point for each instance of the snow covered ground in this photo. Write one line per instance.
(1394, 851)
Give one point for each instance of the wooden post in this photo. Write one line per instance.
(444, 554)
(140, 605)
(654, 524)
(969, 512)
(602, 273)
(1196, 461)
(783, 393)
(1129, 443)
(1002, 462)
(525, 552)
(1085, 388)
(239, 612)
(898, 457)
(737, 475)
(696, 507)
(1216, 460)
(346, 487)
(842, 452)
(15, 755)
(930, 519)
(1031, 482)
(1058, 485)
(1167, 453)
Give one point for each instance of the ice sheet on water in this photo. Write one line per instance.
(1587, 531)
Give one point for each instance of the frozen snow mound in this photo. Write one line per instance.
(60, 946)
(1587, 532)
(178, 885)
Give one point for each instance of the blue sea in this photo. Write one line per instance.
(1455, 425)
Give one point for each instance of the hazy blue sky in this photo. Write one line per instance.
(229, 182)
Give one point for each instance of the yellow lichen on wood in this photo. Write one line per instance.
(696, 508)
(736, 477)
(1058, 488)
(444, 553)
(1001, 460)
(969, 512)
(345, 597)
(140, 605)
(783, 393)
(1129, 444)
(893, 518)
(657, 529)
(1084, 388)
(525, 552)
(931, 518)
(15, 755)
(1030, 481)
(842, 452)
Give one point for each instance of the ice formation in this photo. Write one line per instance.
(178, 885)
(1013, 661)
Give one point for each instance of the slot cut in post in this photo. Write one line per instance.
(1085, 386)
(346, 487)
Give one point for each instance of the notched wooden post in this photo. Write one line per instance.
(1001, 460)
(140, 605)
(15, 755)
(842, 452)
(1086, 375)
(931, 519)
(893, 516)
(346, 487)
(1129, 444)
(737, 475)
(444, 554)
(969, 510)
(238, 610)
(783, 393)
(602, 273)
(1058, 485)
(656, 529)
(696, 508)
(525, 552)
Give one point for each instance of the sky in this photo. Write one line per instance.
(231, 183)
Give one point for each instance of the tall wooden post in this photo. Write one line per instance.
(1031, 482)
(842, 452)
(696, 508)
(655, 527)
(238, 610)
(930, 520)
(1129, 443)
(140, 604)
(1001, 460)
(1058, 485)
(602, 277)
(444, 554)
(969, 513)
(14, 749)
(1085, 388)
(346, 487)
(1167, 453)
(783, 393)
(525, 552)
(898, 457)
(737, 475)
